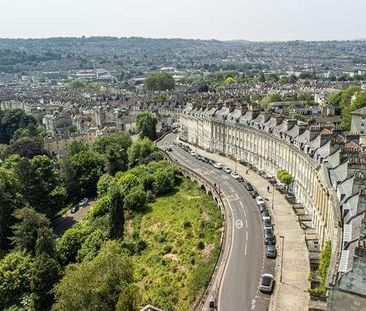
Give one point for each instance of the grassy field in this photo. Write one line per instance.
(182, 234)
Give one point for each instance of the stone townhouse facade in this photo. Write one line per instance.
(328, 167)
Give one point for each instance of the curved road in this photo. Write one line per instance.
(239, 286)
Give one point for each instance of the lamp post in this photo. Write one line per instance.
(282, 247)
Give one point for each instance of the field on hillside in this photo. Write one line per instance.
(181, 242)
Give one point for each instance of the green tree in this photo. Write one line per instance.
(27, 147)
(92, 244)
(16, 270)
(12, 120)
(76, 147)
(32, 232)
(70, 243)
(271, 98)
(81, 172)
(159, 81)
(135, 199)
(105, 283)
(10, 200)
(46, 273)
(146, 124)
(116, 214)
(140, 150)
(40, 184)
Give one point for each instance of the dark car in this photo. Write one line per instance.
(212, 162)
(74, 209)
(265, 213)
(271, 251)
(169, 149)
(204, 159)
(269, 237)
(253, 193)
(267, 223)
(248, 186)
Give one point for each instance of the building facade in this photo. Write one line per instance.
(327, 166)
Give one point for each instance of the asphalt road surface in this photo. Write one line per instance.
(247, 260)
(61, 224)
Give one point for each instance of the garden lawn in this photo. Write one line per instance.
(182, 232)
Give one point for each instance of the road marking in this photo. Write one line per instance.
(239, 224)
(253, 304)
(245, 251)
(246, 235)
(246, 223)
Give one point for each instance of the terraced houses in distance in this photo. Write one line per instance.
(329, 170)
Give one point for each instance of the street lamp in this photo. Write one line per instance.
(282, 247)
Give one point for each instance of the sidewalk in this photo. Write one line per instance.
(290, 294)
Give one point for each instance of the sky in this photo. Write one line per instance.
(256, 20)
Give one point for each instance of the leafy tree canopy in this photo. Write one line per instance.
(159, 81)
(105, 283)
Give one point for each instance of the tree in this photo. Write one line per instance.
(70, 243)
(10, 200)
(46, 273)
(81, 172)
(285, 177)
(271, 98)
(92, 245)
(116, 214)
(113, 149)
(159, 81)
(140, 150)
(12, 120)
(135, 199)
(105, 283)
(32, 233)
(40, 184)
(76, 147)
(27, 147)
(16, 270)
(146, 124)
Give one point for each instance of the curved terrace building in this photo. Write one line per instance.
(328, 167)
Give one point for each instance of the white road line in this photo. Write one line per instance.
(246, 235)
(246, 223)
(245, 251)
(241, 203)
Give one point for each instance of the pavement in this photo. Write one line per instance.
(238, 288)
(290, 294)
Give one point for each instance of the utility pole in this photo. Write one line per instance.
(282, 247)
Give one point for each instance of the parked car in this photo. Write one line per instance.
(269, 237)
(204, 159)
(227, 170)
(248, 186)
(192, 153)
(236, 176)
(212, 162)
(267, 223)
(259, 200)
(271, 251)
(74, 209)
(266, 284)
(265, 213)
(169, 149)
(253, 193)
(218, 165)
(262, 207)
(212, 304)
(83, 202)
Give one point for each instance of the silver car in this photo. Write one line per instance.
(266, 284)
